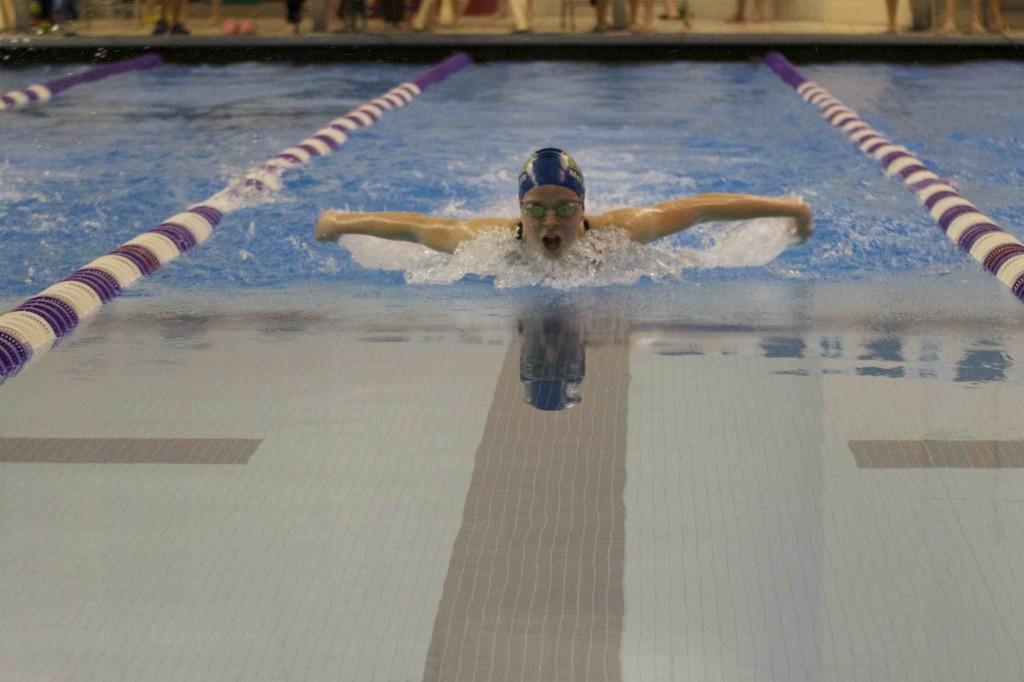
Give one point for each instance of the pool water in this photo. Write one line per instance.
(718, 457)
(104, 162)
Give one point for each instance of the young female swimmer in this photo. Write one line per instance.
(552, 217)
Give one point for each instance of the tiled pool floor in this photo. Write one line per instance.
(759, 482)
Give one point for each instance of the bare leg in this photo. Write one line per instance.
(671, 11)
(995, 17)
(646, 25)
(419, 22)
(602, 14)
(741, 14)
(890, 8)
(758, 11)
(178, 12)
(949, 24)
(447, 17)
(976, 25)
(520, 22)
(333, 20)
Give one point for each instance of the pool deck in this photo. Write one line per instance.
(489, 39)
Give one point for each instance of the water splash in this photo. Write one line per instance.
(603, 258)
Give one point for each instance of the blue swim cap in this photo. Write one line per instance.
(550, 166)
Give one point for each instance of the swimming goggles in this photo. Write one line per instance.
(564, 210)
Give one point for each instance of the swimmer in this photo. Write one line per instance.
(552, 217)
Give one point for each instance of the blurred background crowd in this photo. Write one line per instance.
(291, 17)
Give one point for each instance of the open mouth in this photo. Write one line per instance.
(552, 242)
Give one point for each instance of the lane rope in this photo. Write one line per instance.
(998, 251)
(32, 328)
(42, 92)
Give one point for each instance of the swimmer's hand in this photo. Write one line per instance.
(332, 224)
(804, 222)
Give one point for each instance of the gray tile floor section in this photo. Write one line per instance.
(758, 550)
(755, 547)
(321, 559)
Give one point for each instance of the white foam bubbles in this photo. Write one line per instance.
(602, 258)
(747, 243)
(380, 254)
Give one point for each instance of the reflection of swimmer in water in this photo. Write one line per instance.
(552, 359)
(552, 216)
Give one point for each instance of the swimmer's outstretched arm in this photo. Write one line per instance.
(440, 234)
(647, 224)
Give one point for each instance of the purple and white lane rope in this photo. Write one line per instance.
(998, 251)
(41, 92)
(31, 328)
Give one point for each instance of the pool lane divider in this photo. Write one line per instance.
(998, 251)
(42, 92)
(32, 328)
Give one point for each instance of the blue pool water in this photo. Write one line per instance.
(104, 162)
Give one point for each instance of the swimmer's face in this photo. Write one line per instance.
(560, 224)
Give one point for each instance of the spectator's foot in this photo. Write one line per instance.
(948, 30)
(180, 30)
(68, 29)
(601, 28)
(736, 19)
(997, 27)
(161, 28)
(976, 27)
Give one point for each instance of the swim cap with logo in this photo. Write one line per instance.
(550, 166)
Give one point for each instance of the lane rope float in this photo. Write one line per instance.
(997, 250)
(42, 92)
(32, 328)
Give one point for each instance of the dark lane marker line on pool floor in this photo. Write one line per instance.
(534, 589)
(936, 454)
(128, 450)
